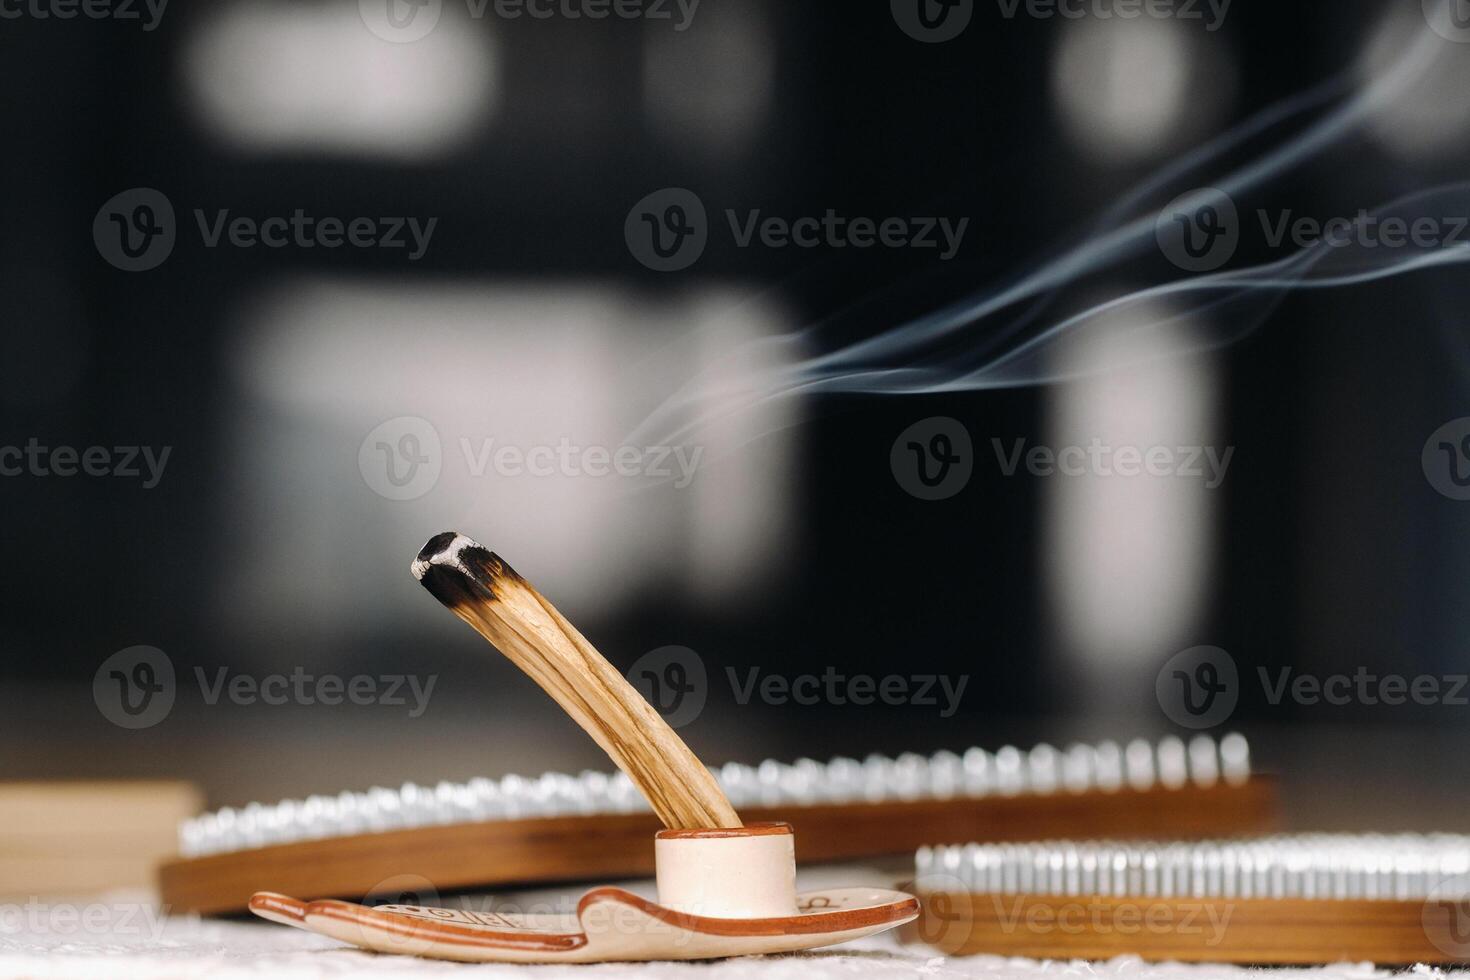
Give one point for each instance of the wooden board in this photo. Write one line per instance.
(511, 852)
(1219, 930)
(78, 837)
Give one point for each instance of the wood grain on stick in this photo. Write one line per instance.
(481, 589)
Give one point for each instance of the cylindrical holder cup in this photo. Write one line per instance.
(738, 873)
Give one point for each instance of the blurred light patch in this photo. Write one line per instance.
(1431, 114)
(326, 363)
(310, 77)
(709, 87)
(746, 516)
(1130, 89)
(1128, 556)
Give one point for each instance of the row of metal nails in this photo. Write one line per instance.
(1105, 766)
(1312, 866)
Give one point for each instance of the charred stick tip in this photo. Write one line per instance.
(457, 569)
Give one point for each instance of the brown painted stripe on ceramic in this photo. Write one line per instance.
(770, 828)
(835, 920)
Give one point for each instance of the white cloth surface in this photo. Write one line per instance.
(124, 942)
(186, 947)
(126, 936)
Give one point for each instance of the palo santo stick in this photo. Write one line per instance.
(481, 589)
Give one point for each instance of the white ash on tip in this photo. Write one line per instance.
(448, 555)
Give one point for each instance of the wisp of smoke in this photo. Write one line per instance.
(982, 341)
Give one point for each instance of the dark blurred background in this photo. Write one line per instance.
(267, 546)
